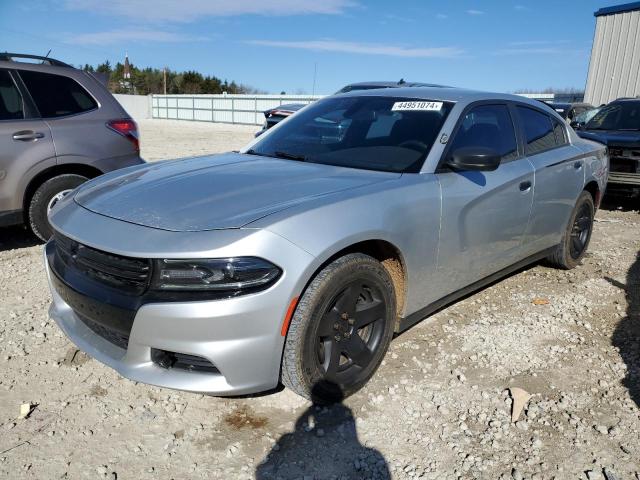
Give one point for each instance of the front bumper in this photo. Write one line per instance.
(236, 336)
(240, 336)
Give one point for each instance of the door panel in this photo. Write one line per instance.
(484, 218)
(25, 144)
(559, 181)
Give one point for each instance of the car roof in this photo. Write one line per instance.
(451, 94)
(400, 84)
(626, 100)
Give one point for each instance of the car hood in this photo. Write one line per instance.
(613, 138)
(217, 192)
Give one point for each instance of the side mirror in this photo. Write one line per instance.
(577, 125)
(474, 158)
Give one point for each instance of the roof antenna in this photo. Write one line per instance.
(47, 53)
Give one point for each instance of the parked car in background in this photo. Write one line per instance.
(59, 126)
(569, 111)
(277, 114)
(296, 259)
(617, 125)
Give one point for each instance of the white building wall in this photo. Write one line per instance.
(614, 68)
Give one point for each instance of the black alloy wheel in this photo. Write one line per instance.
(341, 329)
(581, 231)
(350, 332)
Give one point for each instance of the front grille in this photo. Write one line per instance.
(130, 275)
(623, 165)
(119, 339)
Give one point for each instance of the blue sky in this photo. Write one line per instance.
(274, 45)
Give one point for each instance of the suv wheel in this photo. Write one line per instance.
(45, 198)
(575, 240)
(341, 329)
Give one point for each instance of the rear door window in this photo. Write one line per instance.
(11, 106)
(538, 130)
(56, 95)
(488, 126)
(560, 133)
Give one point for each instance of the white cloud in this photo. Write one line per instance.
(361, 48)
(520, 7)
(190, 10)
(121, 36)
(475, 12)
(530, 43)
(441, 16)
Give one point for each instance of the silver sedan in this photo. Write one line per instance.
(297, 259)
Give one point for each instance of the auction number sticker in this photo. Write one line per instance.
(424, 106)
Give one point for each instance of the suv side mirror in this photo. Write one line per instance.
(577, 125)
(474, 158)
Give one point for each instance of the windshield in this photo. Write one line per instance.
(616, 116)
(584, 117)
(390, 134)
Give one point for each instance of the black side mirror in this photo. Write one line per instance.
(474, 158)
(577, 125)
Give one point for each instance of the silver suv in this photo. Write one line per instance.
(59, 126)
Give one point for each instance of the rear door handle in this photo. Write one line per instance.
(524, 186)
(27, 135)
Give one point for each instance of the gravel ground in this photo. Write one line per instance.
(439, 407)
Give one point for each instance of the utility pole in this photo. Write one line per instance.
(164, 77)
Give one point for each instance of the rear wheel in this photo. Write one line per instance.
(45, 198)
(575, 240)
(341, 329)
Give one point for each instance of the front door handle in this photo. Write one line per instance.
(524, 186)
(27, 135)
(577, 165)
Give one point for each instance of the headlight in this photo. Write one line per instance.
(216, 274)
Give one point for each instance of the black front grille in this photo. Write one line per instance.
(130, 275)
(623, 165)
(119, 339)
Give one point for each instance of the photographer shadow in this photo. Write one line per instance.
(323, 444)
(626, 336)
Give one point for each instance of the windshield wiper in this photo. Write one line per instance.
(290, 156)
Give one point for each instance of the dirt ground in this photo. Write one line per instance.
(439, 407)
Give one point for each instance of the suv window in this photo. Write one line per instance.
(55, 95)
(538, 131)
(558, 130)
(488, 126)
(11, 107)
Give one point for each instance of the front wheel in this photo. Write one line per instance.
(341, 329)
(46, 197)
(574, 243)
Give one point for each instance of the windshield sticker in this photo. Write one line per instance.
(425, 106)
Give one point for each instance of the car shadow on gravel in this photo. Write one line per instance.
(626, 337)
(324, 444)
(17, 237)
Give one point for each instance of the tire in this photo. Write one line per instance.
(45, 197)
(349, 305)
(575, 241)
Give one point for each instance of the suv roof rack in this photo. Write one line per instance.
(10, 57)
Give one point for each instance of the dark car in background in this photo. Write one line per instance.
(569, 111)
(59, 127)
(279, 113)
(617, 125)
